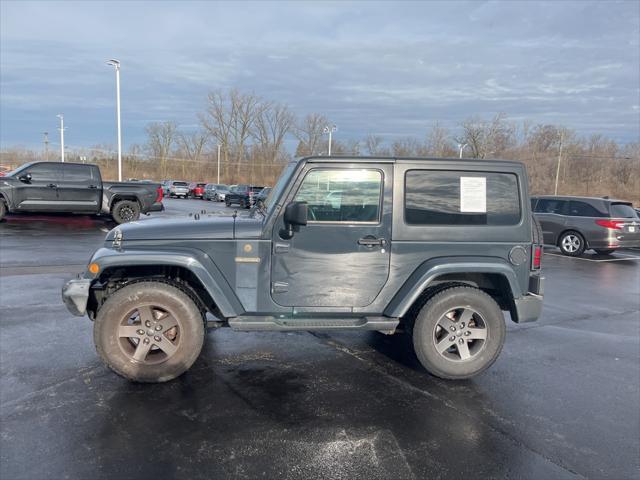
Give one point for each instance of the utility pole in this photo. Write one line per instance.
(219, 146)
(555, 191)
(116, 64)
(46, 145)
(61, 117)
(330, 129)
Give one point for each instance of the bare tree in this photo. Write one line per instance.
(373, 144)
(309, 134)
(161, 137)
(488, 138)
(273, 123)
(438, 141)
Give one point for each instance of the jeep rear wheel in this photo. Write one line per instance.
(125, 211)
(149, 332)
(459, 333)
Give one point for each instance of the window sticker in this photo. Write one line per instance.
(473, 194)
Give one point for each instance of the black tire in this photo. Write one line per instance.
(599, 251)
(157, 366)
(429, 334)
(571, 243)
(124, 211)
(3, 209)
(243, 204)
(227, 203)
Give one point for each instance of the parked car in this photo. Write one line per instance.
(75, 188)
(215, 192)
(196, 189)
(177, 189)
(438, 247)
(262, 195)
(576, 224)
(242, 195)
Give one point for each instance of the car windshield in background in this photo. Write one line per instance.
(180, 184)
(622, 210)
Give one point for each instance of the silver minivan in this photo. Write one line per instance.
(576, 224)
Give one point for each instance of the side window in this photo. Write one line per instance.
(342, 195)
(583, 209)
(77, 173)
(461, 198)
(550, 205)
(44, 171)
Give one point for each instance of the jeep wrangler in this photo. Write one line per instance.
(438, 248)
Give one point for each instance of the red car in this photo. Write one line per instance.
(196, 190)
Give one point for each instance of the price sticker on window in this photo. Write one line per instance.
(473, 194)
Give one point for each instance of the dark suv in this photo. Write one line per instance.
(440, 247)
(576, 224)
(242, 195)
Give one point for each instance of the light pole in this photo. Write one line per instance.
(219, 146)
(61, 117)
(46, 146)
(555, 190)
(462, 146)
(330, 129)
(116, 64)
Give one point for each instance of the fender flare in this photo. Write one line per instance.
(429, 271)
(196, 262)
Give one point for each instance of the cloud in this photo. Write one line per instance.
(392, 67)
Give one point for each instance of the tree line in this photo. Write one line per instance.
(252, 134)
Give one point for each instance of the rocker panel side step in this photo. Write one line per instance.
(248, 323)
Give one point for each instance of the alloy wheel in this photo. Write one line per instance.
(460, 334)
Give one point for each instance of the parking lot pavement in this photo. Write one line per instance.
(561, 401)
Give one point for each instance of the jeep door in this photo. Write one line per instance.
(40, 192)
(340, 259)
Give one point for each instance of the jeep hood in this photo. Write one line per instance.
(201, 227)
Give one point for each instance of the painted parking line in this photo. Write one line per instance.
(626, 259)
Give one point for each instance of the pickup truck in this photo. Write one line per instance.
(242, 195)
(437, 248)
(52, 187)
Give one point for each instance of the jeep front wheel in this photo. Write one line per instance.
(3, 209)
(459, 333)
(125, 211)
(149, 332)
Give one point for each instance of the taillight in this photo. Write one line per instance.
(611, 224)
(537, 257)
(160, 194)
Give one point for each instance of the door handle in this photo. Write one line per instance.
(92, 186)
(52, 185)
(371, 241)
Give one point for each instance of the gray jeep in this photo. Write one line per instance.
(437, 248)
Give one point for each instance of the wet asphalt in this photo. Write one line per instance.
(562, 401)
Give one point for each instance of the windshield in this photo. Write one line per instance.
(179, 184)
(280, 185)
(17, 170)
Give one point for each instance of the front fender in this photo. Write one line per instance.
(429, 271)
(195, 261)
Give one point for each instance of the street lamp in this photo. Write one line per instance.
(219, 146)
(330, 129)
(462, 146)
(61, 117)
(116, 65)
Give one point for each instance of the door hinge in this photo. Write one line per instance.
(279, 287)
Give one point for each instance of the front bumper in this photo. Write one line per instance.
(75, 295)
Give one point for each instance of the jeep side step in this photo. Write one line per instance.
(248, 323)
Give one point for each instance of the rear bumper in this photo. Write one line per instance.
(75, 295)
(156, 207)
(528, 308)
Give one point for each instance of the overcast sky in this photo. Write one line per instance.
(391, 69)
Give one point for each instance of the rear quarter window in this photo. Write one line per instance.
(622, 210)
(436, 198)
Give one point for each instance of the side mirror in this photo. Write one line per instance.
(295, 216)
(26, 178)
